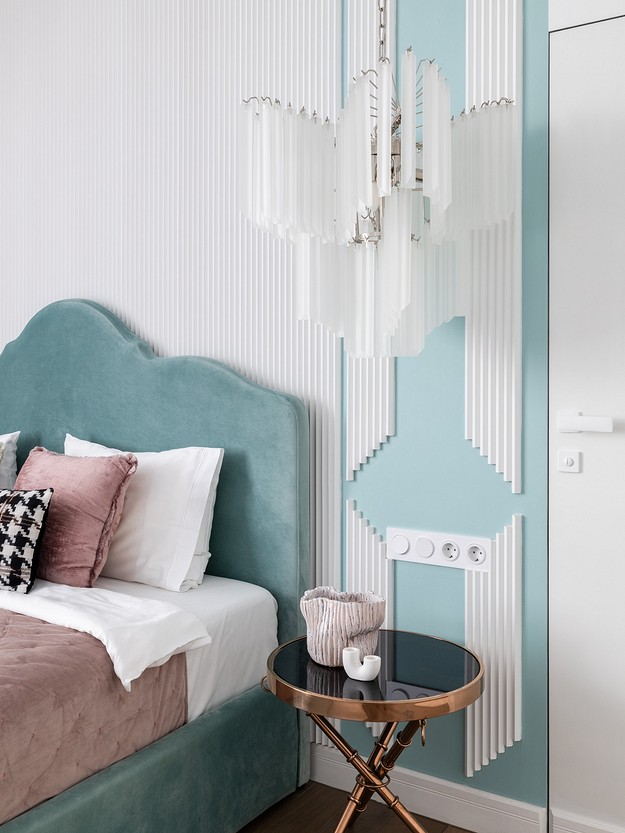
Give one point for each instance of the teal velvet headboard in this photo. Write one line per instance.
(77, 368)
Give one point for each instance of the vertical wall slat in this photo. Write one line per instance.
(366, 565)
(493, 631)
(369, 410)
(493, 410)
(517, 547)
(118, 165)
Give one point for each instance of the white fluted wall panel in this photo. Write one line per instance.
(366, 566)
(494, 34)
(370, 383)
(362, 36)
(370, 404)
(493, 349)
(117, 172)
(493, 631)
(304, 41)
(494, 45)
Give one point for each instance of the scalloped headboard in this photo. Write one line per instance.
(77, 368)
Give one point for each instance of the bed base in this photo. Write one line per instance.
(191, 780)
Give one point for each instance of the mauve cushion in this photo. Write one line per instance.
(84, 512)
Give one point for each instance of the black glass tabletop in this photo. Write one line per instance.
(414, 667)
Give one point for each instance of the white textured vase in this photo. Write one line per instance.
(336, 620)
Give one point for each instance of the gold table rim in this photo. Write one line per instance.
(376, 710)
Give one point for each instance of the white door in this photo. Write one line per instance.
(587, 374)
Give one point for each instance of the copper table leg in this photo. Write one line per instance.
(382, 763)
(370, 781)
(361, 793)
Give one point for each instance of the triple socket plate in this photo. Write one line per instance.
(442, 549)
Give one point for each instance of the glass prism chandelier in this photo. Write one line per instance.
(381, 206)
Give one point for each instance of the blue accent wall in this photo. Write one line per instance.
(428, 476)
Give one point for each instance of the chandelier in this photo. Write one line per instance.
(380, 206)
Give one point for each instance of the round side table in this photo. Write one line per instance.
(421, 677)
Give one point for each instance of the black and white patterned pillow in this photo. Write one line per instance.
(22, 518)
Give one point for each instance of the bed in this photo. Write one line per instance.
(77, 369)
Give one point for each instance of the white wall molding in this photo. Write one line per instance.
(493, 402)
(369, 407)
(443, 800)
(562, 822)
(288, 52)
(492, 303)
(369, 383)
(366, 565)
(493, 629)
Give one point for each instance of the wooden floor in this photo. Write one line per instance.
(318, 808)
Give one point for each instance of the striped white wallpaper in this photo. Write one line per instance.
(117, 183)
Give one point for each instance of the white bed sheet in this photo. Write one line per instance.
(241, 619)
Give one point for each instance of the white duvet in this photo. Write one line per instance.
(137, 633)
(241, 619)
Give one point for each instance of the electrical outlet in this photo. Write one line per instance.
(441, 549)
(450, 551)
(476, 553)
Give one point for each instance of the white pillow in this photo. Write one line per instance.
(195, 573)
(8, 459)
(162, 538)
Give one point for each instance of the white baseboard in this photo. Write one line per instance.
(443, 800)
(572, 823)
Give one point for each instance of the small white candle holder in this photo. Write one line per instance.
(368, 669)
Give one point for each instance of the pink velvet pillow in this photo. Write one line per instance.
(84, 512)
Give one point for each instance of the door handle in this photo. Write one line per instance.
(572, 422)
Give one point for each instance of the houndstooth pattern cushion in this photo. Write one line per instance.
(22, 517)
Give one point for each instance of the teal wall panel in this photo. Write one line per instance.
(428, 476)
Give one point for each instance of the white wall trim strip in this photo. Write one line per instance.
(493, 630)
(451, 803)
(572, 823)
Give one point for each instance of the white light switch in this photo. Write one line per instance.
(569, 459)
(439, 549)
(400, 544)
(424, 547)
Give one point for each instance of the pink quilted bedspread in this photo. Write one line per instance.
(64, 714)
